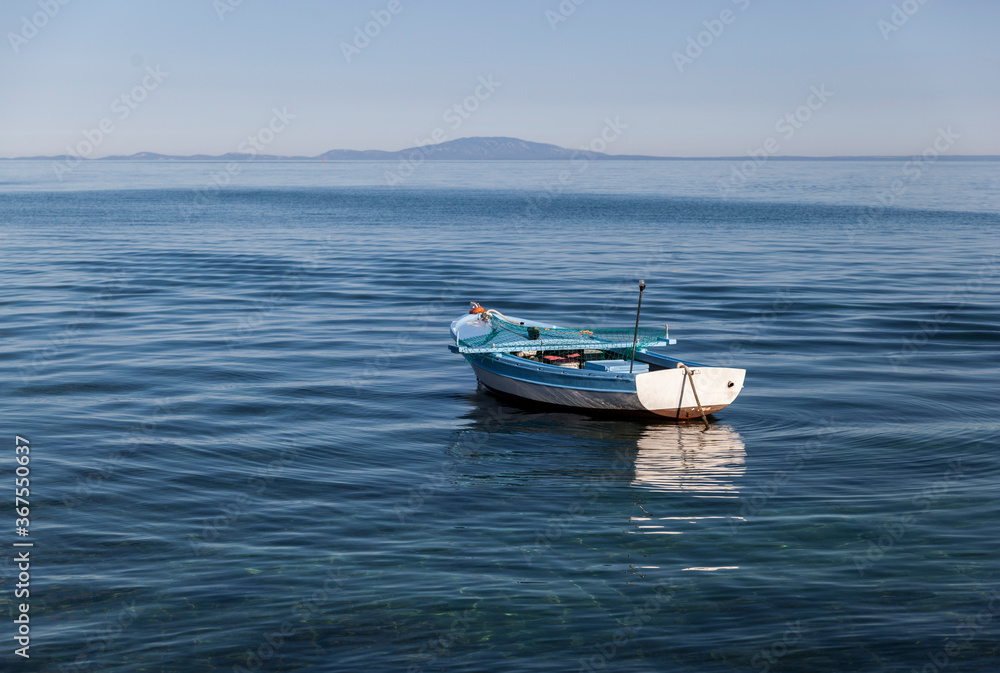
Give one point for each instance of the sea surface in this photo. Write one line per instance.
(251, 450)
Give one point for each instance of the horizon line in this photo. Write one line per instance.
(615, 157)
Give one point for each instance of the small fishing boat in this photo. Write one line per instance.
(590, 369)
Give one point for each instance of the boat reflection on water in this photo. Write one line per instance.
(689, 458)
(698, 464)
(668, 457)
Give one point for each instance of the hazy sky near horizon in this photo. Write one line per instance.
(678, 78)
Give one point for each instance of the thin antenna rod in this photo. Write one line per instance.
(635, 339)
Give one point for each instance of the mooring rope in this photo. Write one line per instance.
(695, 391)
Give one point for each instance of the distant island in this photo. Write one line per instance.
(480, 149)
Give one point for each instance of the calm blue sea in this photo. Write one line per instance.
(251, 450)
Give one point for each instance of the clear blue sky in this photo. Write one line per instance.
(890, 90)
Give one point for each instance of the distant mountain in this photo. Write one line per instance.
(461, 149)
(483, 149)
(493, 149)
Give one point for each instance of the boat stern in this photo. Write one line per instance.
(669, 393)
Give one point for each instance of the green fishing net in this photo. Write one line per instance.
(508, 336)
